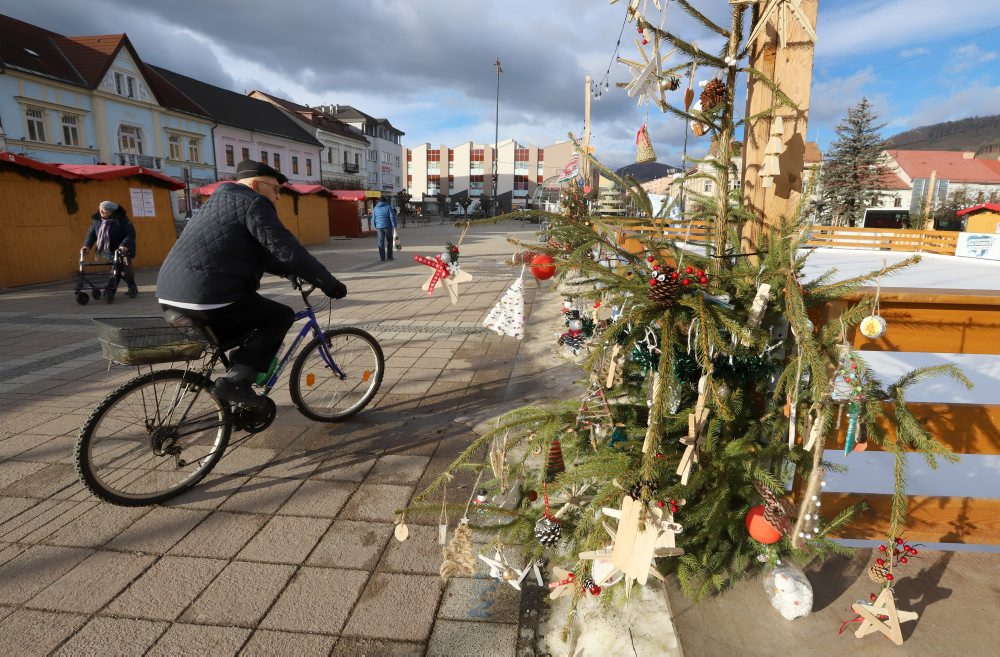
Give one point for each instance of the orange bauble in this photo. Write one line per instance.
(543, 266)
(760, 529)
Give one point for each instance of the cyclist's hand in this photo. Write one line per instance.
(335, 290)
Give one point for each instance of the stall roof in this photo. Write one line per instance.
(995, 207)
(348, 194)
(308, 189)
(110, 171)
(29, 163)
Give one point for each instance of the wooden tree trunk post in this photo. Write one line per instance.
(791, 68)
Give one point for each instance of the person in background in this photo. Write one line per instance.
(384, 221)
(213, 272)
(110, 231)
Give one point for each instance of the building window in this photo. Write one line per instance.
(277, 161)
(309, 166)
(230, 155)
(263, 157)
(397, 164)
(194, 150)
(71, 134)
(130, 139)
(373, 177)
(245, 152)
(174, 143)
(387, 157)
(397, 181)
(119, 84)
(357, 160)
(708, 186)
(130, 84)
(372, 155)
(329, 156)
(295, 165)
(125, 85)
(36, 124)
(897, 202)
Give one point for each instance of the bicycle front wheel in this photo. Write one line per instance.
(323, 394)
(152, 438)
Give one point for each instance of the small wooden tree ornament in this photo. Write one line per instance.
(872, 621)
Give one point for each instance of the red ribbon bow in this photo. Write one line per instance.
(440, 270)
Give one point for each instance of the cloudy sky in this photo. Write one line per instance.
(428, 65)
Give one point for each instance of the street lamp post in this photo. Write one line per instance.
(496, 141)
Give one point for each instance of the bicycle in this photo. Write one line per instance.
(160, 433)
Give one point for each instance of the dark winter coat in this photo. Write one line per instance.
(383, 216)
(121, 232)
(222, 253)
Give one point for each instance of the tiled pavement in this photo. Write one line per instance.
(287, 547)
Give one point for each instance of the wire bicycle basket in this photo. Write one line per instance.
(148, 340)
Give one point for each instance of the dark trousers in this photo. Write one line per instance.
(384, 242)
(265, 322)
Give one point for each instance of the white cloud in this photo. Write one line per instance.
(910, 53)
(967, 56)
(972, 100)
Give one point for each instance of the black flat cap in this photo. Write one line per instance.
(252, 169)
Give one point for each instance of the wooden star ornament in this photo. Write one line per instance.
(500, 569)
(882, 616)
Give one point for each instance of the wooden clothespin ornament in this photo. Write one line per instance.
(696, 427)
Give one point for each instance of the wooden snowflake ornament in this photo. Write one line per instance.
(643, 535)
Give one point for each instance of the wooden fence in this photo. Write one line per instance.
(934, 325)
(883, 239)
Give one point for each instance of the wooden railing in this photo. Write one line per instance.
(936, 322)
(885, 239)
(881, 239)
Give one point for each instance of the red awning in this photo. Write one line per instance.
(111, 171)
(307, 189)
(51, 169)
(348, 194)
(995, 207)
(209, 189)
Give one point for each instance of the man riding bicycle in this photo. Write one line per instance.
(213, 272)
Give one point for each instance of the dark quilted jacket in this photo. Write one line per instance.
(224, 251)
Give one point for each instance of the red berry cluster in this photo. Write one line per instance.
(691, 274)
(899, 554)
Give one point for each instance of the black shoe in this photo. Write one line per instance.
(133, 291)
(238, 392)
(390, 258)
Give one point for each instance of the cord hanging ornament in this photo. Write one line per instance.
(874, 326)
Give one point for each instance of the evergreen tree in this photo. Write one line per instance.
(855, 169)
(707, 351)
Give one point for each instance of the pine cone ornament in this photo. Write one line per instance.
(554, 462)
(572, 340)
(548, 531)
(876, 572)
(664, 287)
(713, 94)
(635, 491)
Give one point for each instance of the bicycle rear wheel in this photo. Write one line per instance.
(152, 438)
(319, 392)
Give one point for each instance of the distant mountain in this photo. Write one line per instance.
(970, 134)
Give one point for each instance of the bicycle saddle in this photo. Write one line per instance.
(179, 320)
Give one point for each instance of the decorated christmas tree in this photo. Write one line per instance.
(713, 385)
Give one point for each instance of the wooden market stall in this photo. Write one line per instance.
(45, 212)
(301, 208)
(344, 212)
(982, 218)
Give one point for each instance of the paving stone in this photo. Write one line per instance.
(292, 464)
(48, 481)
(265, 643)
(14, 506)
(394, 469)
(285, 539)
(30, 632)
(480, 599)
(10, 550)
(240, 595)
(464, 638)
(19, 443)
(261, 495)
(113, 637)
(378, 502)
(58, 450)
(183, 639)
(356, 647)
(210, 493)
(97, 526)
(352, 544)
(34, 569)
(419, 554)
(166, 589)
(221, 535)
(244, 460)
(158, 531)
(317, 600)
(12, 471)
(43, 519)
(93, 583)
(321, 499)
(397, 607)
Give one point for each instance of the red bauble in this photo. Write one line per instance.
(889, 576)
(686, 282)
(761, 530)
(688, 270)
(674, 275)
(595, 590)
(586, 189)
(543, 267)
(650, 259)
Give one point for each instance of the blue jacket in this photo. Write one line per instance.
(383, 216)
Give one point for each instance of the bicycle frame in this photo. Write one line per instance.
(311, 326)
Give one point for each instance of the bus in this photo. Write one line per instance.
(886, 218)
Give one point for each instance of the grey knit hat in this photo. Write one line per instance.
(110, 206)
